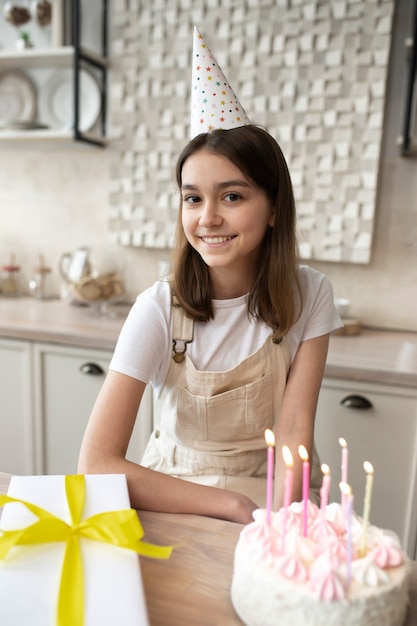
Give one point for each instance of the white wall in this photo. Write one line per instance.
(55, 201)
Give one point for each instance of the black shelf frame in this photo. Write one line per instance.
(407, 140)
(82, 57)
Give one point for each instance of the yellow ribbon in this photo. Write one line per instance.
(119, 528)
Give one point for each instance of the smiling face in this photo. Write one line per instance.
(224, 216)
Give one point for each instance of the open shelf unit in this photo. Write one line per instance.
(76, 57)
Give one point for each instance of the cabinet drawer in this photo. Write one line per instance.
(384, 433)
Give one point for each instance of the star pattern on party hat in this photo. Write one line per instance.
(213, 102)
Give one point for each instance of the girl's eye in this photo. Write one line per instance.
(191, 199)
(233, 197)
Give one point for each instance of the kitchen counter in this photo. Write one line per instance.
(58, 321)
(376, 356)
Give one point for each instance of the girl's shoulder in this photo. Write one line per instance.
(318, 314)
(152, 307)
(309, 277)
(159, 293)
(313, 284)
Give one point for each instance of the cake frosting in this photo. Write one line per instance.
(339, 573)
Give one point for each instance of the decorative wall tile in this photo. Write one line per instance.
(312, 71)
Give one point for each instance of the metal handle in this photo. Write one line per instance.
(91, 369)
(356, 402)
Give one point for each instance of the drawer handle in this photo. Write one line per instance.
(356, 402)
(92, 369)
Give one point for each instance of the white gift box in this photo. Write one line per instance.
(30, 575)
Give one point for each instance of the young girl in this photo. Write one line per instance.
(233, 342)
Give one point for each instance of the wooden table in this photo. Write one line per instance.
(193, 586)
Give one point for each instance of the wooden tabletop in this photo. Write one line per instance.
(193, 585)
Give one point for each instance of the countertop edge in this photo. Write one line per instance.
(67, 339)
(397, 379)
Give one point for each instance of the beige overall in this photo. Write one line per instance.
(212, 425)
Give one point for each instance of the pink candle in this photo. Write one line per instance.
(270, 442)
(306, 485)
(289, 474)
(347, 491)
(344, 468)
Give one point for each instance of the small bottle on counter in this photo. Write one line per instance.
(38, 282)
(12, 281)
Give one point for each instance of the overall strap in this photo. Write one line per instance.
(183, 331)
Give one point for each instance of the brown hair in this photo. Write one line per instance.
(272, 298)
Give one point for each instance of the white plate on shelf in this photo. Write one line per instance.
(17, 96)
(59, 96)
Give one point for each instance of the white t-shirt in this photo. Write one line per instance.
(144, 347)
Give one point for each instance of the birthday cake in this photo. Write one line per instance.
(337, 571)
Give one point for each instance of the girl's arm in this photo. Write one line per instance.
(296, 422)
(104, 448)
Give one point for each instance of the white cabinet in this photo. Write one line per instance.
(16, 423)
(69, 380)
(384, 433)
(48, 391)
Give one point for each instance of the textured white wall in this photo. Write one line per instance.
(312, 72)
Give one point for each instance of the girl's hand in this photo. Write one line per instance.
(242, 508)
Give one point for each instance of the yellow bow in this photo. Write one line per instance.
(119, 528)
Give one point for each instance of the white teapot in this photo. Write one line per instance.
(74, 266)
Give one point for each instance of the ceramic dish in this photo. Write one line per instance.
(17, 96)
(343, 306)
(59, 105)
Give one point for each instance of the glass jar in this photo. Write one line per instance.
(38, 282)
(12, 282)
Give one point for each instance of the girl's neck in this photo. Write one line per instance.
(227, 285)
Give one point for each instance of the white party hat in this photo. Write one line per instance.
(213, 102)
